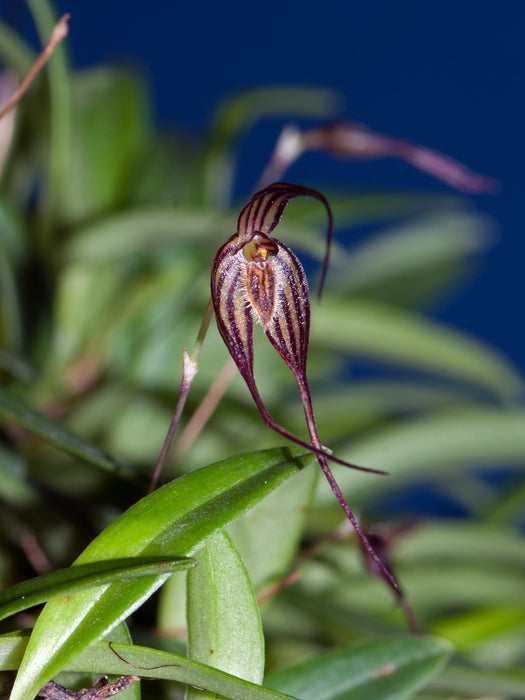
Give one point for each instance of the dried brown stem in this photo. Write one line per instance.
(59, 33)
(205, 409)
(190, 368)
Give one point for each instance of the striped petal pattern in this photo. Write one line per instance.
(256, 279)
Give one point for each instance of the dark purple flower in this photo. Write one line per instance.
(256, 279)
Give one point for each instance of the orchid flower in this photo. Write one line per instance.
(257, 279)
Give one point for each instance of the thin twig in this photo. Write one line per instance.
(190, 368)
(59, 33)
(205, 409)
(289, 580)
(382, 568)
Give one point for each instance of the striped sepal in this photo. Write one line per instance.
(288, 328)
(256, 278)
(265, 209)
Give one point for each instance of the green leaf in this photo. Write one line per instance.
(14, 486)
(109, 138)
(17, 367)
(465, 680)
(413, 261)
(268, 535)
(477, 626)
(121, 236)
(77, 578)
(377, 332)
(350, 407)
(448, 570)
(60, 117)
(392, 668)
(100, 657)
(172, 521)
(224, 624)
(462, 542)
(14, 51)
(121, 635)
(419, 448)
(56, 434)
(236, 113)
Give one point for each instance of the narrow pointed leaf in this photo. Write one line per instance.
(133, 232)
(464, 438)
(60, 118)
(121, 635)
(172, 521)
(77, 578)
(391, 669)
(14, 51)
(55, 433)
(406, 263)
(377, 332)
(457, 680)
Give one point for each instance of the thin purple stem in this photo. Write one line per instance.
(386, 574)
(312, 429)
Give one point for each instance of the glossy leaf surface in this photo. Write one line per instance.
(77, 578)
(152, 663)
(173, 520)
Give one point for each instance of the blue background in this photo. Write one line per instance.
(448, 75)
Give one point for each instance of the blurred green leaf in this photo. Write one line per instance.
(17, 367)
(173, 520)
(462, 541)
(269, 534)
(476, 626)
(469, 681)
(392, 668)
(460, 439)
(13, 409)
(15, 53)
(224, 624)
(14, 486)
(412, 262)
(447, 570)
(122, 236)
(388, 335)
(344, 409)
(77, 578)
(234, 114)
(109, 137)
(60, 123)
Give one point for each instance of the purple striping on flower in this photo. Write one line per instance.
(258, 279)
